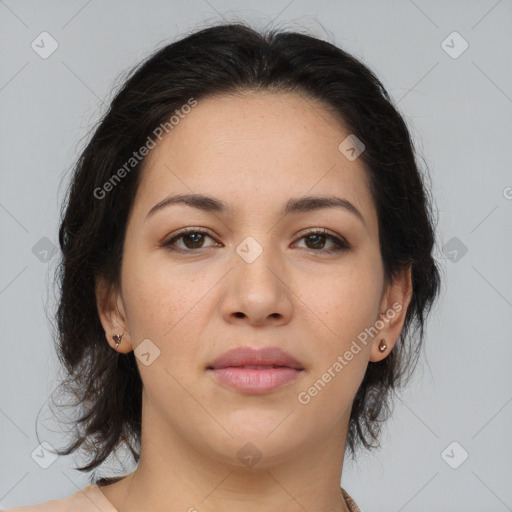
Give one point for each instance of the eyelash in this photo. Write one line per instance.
(339, 244)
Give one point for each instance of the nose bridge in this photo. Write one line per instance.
(259, 263)
(256, 285)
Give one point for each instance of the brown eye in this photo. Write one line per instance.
(316, 240)
(196, 239)
(192, 239)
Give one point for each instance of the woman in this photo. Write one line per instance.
(247, 270)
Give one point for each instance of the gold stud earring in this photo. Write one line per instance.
(117, 339)
(382, 345)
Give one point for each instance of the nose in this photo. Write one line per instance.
(257, 292)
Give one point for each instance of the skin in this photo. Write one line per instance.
(254, 151)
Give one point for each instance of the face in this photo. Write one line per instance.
(248, 273)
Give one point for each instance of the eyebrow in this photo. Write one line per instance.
(294, 205)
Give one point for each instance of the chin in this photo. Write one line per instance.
(256, 449)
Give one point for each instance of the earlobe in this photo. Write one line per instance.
(117, 339)
(380, 349)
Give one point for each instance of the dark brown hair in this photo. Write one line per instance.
(229, 59)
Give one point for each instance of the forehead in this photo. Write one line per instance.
(255, 150)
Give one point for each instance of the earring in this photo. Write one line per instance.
(117, 339)
(382, 345)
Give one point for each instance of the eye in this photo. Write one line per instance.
(192, 238)
(316, 240)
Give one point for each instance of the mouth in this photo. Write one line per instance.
(253, 371)
(254, 367)
(255, 380)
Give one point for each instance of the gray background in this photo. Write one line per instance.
(459, 112)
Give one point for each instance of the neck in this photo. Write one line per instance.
(175, 475)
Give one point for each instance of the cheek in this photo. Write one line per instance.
(346, 300)
(165, 308)
(346, 304)
(346, 309)
(166, 303)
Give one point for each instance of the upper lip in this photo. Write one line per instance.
(246, 356)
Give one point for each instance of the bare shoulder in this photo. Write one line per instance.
(88, 499)
(352, 505)
(47, 506)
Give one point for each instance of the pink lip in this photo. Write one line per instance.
(246, 356)
(255, 382)
(231, 369)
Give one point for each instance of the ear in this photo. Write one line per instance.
(393, 308)
(112, 315)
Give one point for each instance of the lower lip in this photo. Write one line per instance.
(254, 381)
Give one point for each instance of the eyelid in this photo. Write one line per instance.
(323, 231)
(191, 229)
